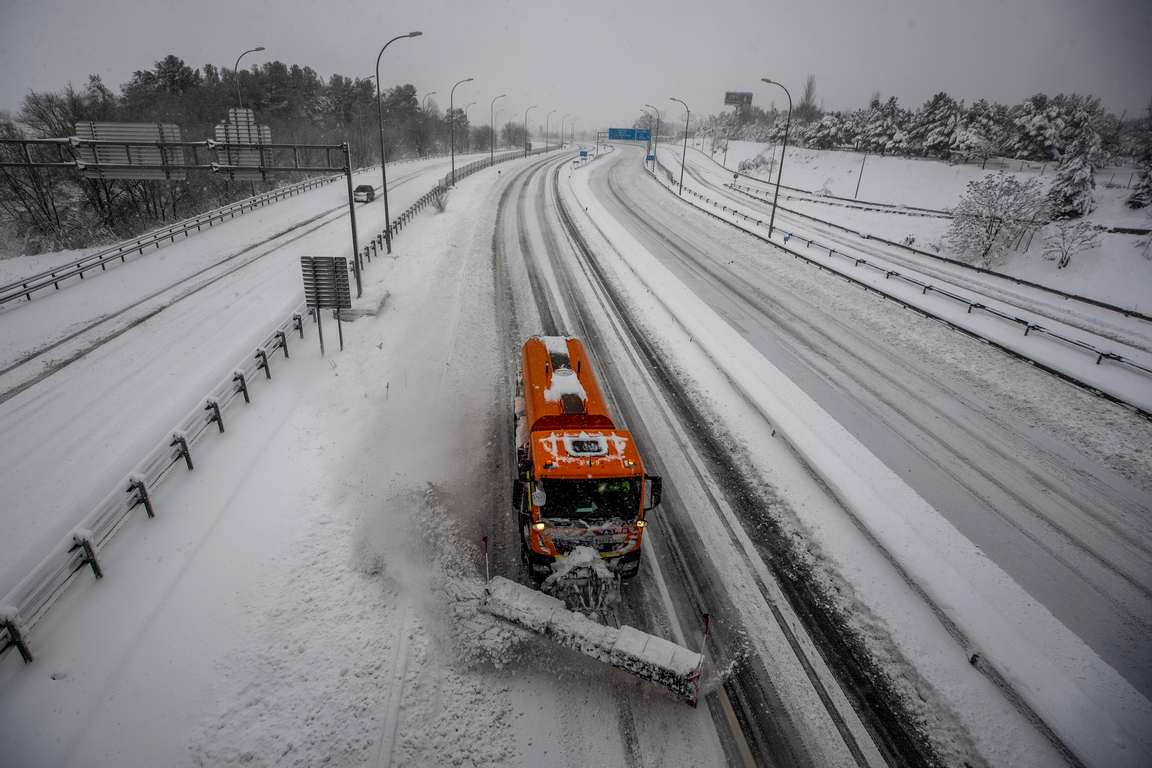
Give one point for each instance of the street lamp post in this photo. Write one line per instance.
(684, 156)
(239, 96)
(562, 129)
(468, 136)
(492, 123)
(779, 173)
(424, 118)
(648, 146)
(383, 155)
(656, 139)
(526, 134)
(572, 130)
(452, 128)
(546, 129)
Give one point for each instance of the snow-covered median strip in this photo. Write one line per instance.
(1093, 710)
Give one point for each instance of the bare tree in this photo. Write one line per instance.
(807, 111)
(994, 213)
(1068, 240)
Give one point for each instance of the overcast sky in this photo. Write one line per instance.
(602, 60)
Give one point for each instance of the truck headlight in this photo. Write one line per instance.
(538, 526)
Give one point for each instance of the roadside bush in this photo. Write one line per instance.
(440, 199)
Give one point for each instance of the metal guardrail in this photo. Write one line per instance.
(27, 603)
(25, 287)
(1028, 326)
(953, 262)
(377, 242)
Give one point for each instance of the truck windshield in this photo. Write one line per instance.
(592, 499)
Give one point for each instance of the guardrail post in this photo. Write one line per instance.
(243, 386)
(82, 539)
(179, 438)
(214, 406)
(263, 355)
(297, 325)
(138, 487)
(10, 620)
(283, 337)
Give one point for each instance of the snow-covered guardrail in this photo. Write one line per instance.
(957, 263)
(378, 241)
(857, 261)
(25, 287)
(864, 205)
(24, 606)
(27, 603)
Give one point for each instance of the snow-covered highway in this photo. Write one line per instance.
(308, 592)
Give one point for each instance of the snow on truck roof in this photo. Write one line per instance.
(560, 387)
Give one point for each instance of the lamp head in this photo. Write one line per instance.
(415, 34)
(258, 49)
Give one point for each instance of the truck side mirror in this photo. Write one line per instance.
(652, 490)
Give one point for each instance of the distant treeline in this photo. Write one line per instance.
(60, 209)
(1071, 131)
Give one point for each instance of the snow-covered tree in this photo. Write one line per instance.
(1141, 195)
(1071, 192)
(885, 128)
(1080, 152)
(993, 214)
(1069, 239)
(828, 133)
(1037, 125)
(937, 126)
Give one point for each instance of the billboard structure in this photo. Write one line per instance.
(738, 98)
(241, 128)
(128, 144)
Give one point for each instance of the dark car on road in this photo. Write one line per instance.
(365, 193)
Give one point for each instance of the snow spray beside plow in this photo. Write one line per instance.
(646, 656)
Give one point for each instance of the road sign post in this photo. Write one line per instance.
(326, 287)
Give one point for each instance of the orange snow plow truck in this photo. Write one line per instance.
(580, 481)
(581, 494)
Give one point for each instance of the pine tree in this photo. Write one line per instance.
(1080, 152)
(1142, 152)
(937, 126)
(1071, 193)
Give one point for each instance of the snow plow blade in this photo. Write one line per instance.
(646, 656)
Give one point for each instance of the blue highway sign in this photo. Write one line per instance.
(628, 134)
